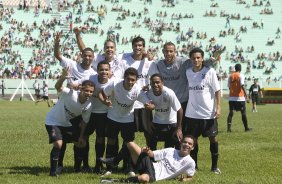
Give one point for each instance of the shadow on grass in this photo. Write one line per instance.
(35, 170)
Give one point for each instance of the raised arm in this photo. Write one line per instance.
(59, 84)
(79, 40)
(57, 52)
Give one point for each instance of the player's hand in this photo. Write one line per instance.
(145, 88)
(178, 134)
(76, 30)
(108, 102)
(57, 36)
(149, 106)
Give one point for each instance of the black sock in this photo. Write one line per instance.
(194, 154)
(245, 121)
(214, 154)
(54, 157)
(78, 157)
(99, 149)
(85, 154)
(62, 154)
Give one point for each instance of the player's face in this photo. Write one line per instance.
(157, 85)
(87, 58)
(197, 60)
(109, 49)
(138, 48)
(87, 91)
(169, 53)
(187, 145)
(103, 71)
(129, 81)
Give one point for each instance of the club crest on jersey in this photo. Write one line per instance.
(133, 96)
(203, 75)
(165, 99)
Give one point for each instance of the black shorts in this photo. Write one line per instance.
(142, 117)
(204, 127)
(127, 130)
(237, 105)
(98, 122)
(255, 98)
(144, 165)
(67, 134)
(45, 97)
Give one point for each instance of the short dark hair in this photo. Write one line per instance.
(191, 137)
(108, 40)
(169, 44)
(87, 83)
(104, 62)
(138, 39)
(157, 75)
(87, 49)
(195, 50)
(238, 67)
(130, 71)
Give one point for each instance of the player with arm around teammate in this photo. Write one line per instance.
(71, 104)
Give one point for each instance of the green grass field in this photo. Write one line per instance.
(253, 157)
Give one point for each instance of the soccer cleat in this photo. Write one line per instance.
(108, 161)
(86, 170)
(229, 130)
(59, 169)
(131, 174)
(216, 170)
(53, 174)
(107, 173)
(248, 129)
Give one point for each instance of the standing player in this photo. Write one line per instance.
(123, 94)
(167, 120)
(77, 71)
(237, 97)
(45, 96)
(71, 104)
(254, 92)
(204, 105)
(98, 119)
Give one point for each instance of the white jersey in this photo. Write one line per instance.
(117, 66)
(76, 71)
(123, 100)
(166, 106)
(68, 107)
(145, 70)
(45, 91)
(170, 164)
(202, 87)
(97, 105)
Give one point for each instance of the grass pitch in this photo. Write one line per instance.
(253, 157)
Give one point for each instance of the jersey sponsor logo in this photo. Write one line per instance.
(143, 76)
(69, 112)
(124, 105)
(172, 78)
(168, 166)
(197, 88)
(162, 110)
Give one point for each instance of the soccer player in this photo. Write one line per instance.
(120, 96)
(71, 104)
(204, 105)
(167, 119)
(77, 71)
(45, 96)
(98, 119)
(237, 97)
(170, 162)
(254, 92)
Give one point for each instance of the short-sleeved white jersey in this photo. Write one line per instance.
(166, 106)
(68, 107)
(76, 71)
(170, 164)
(45, 91)
(202, 87)
(123, 100)
(145, 70)
(117, 65)
(97, 105)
